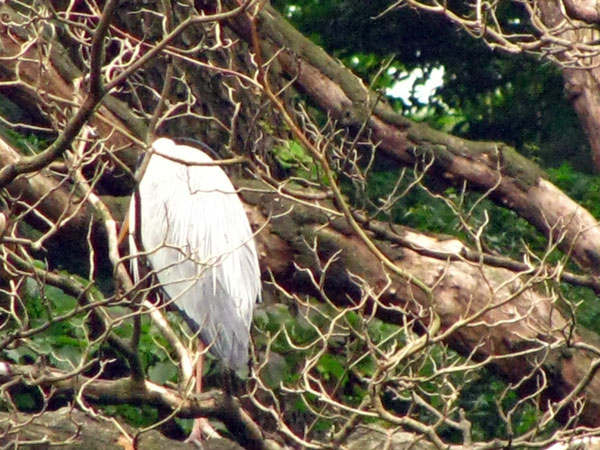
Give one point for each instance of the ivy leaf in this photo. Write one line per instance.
(162, 372)
(330, 366)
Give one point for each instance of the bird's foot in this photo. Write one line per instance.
(201, 430)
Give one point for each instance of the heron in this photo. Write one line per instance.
(197, 240)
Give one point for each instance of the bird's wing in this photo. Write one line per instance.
(201, 247)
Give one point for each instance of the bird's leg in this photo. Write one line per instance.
(201, 425)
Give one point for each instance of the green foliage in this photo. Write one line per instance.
(134, 415)
(63, 342)
(153, 350)
(416, 209)
(286, 340)
(26, 143)
(315, 340)
(59, 343)
(585, 304)
(581, 187)
(291, 155)
(510, 98)
(435, 209)
(27, 400)
(162, 371)
(482, 401)
(295, 159)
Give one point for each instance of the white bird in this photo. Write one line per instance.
(196, 237)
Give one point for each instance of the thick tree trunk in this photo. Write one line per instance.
(75, 430)
(78, 431)
(581, 76)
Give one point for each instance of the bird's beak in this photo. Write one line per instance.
(124, 230)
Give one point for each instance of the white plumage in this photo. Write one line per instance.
(200, 246)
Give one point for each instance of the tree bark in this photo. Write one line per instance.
(515, 321)
(78, 431)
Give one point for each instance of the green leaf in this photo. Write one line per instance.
(67, 357)
(61, 302)
(329, 365)
(20, 354)
(162, 372)
(292, 155)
